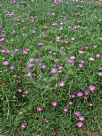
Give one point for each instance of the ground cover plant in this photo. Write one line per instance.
(50, 68)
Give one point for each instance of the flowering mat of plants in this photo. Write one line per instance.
(50, 68)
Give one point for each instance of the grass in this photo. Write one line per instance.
(42, 89)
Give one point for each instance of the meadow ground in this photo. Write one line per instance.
(50, 68)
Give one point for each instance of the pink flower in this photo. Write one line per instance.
(39, 109)
(54, 70)
(71, 103)
(98, 55)
(77, 113)
(72, 96)
(43, 66)
(15, 75)
(79, 124)
(58, 38)
(64, 18)
(91, 59)
(5, 63)
(40, 44)
(54, 104)
(19, 90)
(81, 62)
(31, 59)
(2, 38)
(65, 109)
(25, 51)
(81, 118)
(29, 74)
(80, 65)
(12, 67)
(99, 74)
(79, 94)
(43, 33)
(95, 46)
(30, 65)
(100, 92)
(86, 93)
(16, 50)
(70, 61)
(92, 87)
(23, 126)
(65, 42)
(72, 58)
(60, 67)
(81, 52)
(9, 14)
(61, 84)
(46, 121)
(32, 18)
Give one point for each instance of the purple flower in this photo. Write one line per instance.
(79, 94)
(81, 118)
(80, 65)
(98, 55)
(25, 51)
(70, 61)
(16, 50)
(46, 121)
(5, 63)
(77, 113)
(60, 67)
(53, 71)
(32, 18)
(95, 46)
(40, 44)
(23, 126)
(72, 58)
(29, 74)
(65, 42)
(99, 73)
(30, 65)
(71, 103)
(12, 67)
(9, 14)
(54, 104)
(19, 90)
(2, 38)
(14, 75)
(65, 109)
(37, 60)
(31, 59)
(92, 87)
(5, 51)
(81, 52)
(43, 66)
(43, 33)
(39, 109)
(86, 93)
(91, 59)
(58, 38)
(100, 92)
(61, 84)
(81, 62)
(79, 124)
